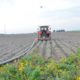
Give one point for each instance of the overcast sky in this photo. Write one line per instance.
(24, 16)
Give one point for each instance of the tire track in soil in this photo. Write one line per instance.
(57, 51)
(69, 46)
(53, 51)
(42, 49)
(59, 47)
(65, 48)
(48, 51)
(74, 44)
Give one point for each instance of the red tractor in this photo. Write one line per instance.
(44, 33)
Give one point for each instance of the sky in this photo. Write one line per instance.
(24, 16)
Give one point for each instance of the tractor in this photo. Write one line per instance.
(44, 33)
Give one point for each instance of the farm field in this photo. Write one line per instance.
(58, 59)
(62, 45)
(14, 45)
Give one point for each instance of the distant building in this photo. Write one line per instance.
(61, 30)
(54, 31)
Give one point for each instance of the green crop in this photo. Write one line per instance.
(35, 67)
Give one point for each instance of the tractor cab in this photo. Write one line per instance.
(44, 33)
